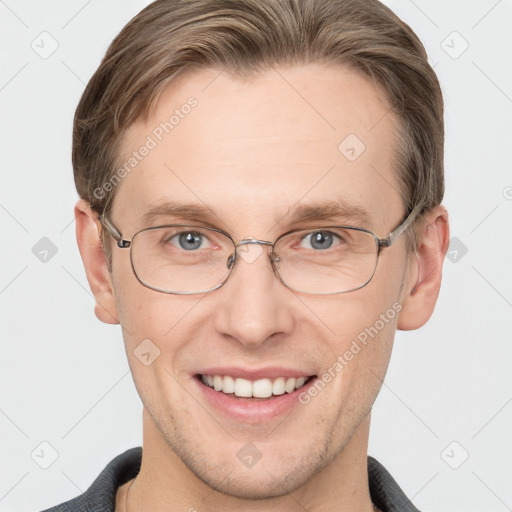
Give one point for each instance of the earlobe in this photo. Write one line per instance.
(424, 277)
(93, 257)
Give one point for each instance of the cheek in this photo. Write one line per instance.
(161, 324)
(366, 338)
(363, 324)
(157, 332)
(143, 313)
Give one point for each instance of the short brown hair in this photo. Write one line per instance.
(169, 37)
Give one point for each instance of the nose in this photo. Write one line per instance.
(253, 305)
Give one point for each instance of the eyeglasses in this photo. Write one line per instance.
(186, 259)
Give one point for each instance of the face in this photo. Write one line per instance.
(252, 152)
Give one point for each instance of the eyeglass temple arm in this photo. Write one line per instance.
(390, 239)
(114, 232)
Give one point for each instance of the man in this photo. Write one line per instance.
(260, 186)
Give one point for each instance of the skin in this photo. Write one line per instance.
(249, 151)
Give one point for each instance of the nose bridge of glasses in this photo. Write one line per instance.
(242, 250)
(251, 240)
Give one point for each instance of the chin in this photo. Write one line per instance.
(257, 483)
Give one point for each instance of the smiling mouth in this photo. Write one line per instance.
(261, 389)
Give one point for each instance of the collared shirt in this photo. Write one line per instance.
(101, 495)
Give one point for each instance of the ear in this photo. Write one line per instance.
(88, 229)
(425, 272)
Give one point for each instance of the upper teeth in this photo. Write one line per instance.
(262, 388)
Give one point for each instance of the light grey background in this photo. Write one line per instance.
(64, 375)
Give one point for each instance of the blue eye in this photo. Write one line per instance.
(320, 240)
(188, 240)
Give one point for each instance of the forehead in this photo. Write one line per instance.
(258, 147)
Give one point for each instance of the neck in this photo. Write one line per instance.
(164, 480)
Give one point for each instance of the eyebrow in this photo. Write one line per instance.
(327, 210)
(185, 211)
(330, 210)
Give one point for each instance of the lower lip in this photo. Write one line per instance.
(252, 411)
